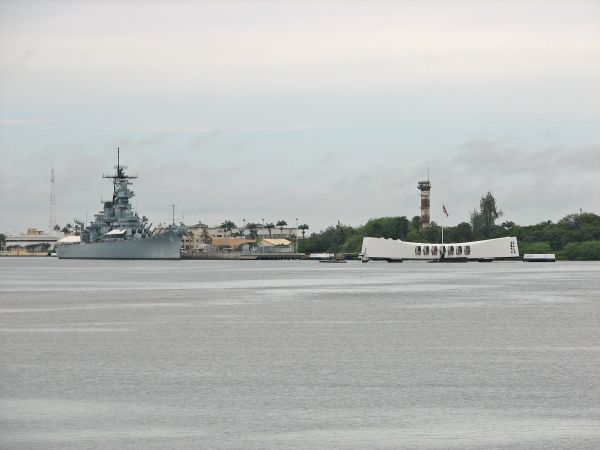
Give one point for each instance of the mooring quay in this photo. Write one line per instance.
(243, 256)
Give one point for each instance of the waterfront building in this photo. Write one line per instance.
(202, 238)
(197, 238)
(275, 246)
(33, 240)
(261, 232)
(202, 234)
(234, 244)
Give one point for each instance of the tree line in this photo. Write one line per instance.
(228, 226)
(574, 237)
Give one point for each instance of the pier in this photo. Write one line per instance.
(239, 256)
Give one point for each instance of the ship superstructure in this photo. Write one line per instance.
(117, 232)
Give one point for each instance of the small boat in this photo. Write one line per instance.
(321, 256)
(539, 257)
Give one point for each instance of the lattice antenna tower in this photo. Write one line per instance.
(52, 217)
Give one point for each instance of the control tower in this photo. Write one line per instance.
(425, 188)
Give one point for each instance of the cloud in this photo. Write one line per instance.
(320, 111)
(513, 159)
(7, 122)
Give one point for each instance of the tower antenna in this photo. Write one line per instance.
(52, 216)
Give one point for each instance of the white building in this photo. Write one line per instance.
(261, 232)
(33, 239)
(396, 250)
(201, 237)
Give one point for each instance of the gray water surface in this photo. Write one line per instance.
(297, 354)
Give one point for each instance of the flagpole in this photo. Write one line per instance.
(445, 213)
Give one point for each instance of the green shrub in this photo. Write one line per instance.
(535, 247)
(582, 251)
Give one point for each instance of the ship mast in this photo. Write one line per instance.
(119, 176)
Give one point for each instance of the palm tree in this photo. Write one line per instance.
(77, 229)
(206, 239)
(228, 225)
(252, 227)
(57, 227)
(269, 227)
(281, 224)
(303, 228)
(67, 228)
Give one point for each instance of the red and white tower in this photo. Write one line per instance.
(425, 188)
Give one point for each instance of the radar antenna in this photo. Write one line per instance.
(119, 176)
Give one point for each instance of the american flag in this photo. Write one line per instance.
(445, 210)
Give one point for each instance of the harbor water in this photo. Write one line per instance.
(297, 354)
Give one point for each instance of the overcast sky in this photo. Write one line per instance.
(318, 110)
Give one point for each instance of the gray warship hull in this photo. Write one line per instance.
(165, 246)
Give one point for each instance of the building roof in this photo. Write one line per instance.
(31, 238)
(69, 240)
(198, 225)
(275, 242)
(231, 242)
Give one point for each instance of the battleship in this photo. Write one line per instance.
(117, 232)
